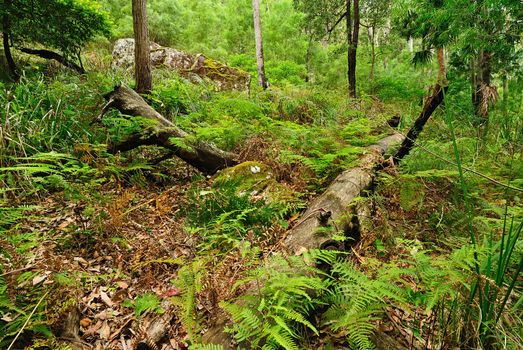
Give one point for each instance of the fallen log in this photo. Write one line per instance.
(332, 208)
(204, 157)
(330, 213)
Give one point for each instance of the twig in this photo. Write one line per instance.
(27, 321)
(17, 270)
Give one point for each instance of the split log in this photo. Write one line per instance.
(204, 157)
(332, 211)
(431, 103)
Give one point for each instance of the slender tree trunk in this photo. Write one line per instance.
(372, 39)
(260, 62)
(442, 71)
(353, 29)
(11, 65)
(308, 56)
(142, 52)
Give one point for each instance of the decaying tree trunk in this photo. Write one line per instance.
(156, 330)
(330, 213)
(431, 103)
(332, 208)
(204, 157)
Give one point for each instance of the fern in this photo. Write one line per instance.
(289, 289)
(190, 282)
(357, 301)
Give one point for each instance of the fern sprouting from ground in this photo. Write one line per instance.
(276, 311)
(357, 301)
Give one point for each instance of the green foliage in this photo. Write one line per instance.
(190, 283)
(144, 303)
(357, 301)
(223, 217)
(277, 310)
(66, 25)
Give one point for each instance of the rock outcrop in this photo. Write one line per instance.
(194, 67)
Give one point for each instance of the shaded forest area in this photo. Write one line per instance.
(261, 174)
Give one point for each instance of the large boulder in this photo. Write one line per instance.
(194, 67)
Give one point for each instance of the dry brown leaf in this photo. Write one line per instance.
(105, 298)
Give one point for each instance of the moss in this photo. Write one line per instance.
(250, 176)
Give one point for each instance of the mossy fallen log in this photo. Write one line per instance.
(330, 215)
(331, 209)
(203, 156)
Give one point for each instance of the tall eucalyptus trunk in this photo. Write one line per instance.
(142, 52)
(353, 30)
(260, 62)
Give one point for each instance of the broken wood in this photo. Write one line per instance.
(330, 214)
(156, 330)
(203, 156)
(431, 103)
(51, 55)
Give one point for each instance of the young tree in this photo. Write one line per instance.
(142, 51)
(63, 25)
(260, 63)
(322, 17)
(374, 14)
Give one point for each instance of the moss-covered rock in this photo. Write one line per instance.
(250, 176)
(257, 180)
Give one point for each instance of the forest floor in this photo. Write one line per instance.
(98, 247)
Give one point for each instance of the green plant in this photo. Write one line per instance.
(190, 283)
(144, 303)
(356, 301)
(276, 311)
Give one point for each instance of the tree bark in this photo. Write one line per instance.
(484, 94)
(353, 28)
(431, 103)
(11, 65)
(372, 39)
(442, 70)
(260, 62)
(204, 157)
(51, 55)
(331, 210)
(142, 54)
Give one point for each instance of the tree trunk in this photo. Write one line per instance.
(204, 157)
(308, 56)
(353, 29)
(260, 62)
(485, 94)
(410, 44)
(442, 70)
(142, 52)
(11, 65)
(431, 103)
(372, 39)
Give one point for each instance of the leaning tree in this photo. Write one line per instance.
(52, 29)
